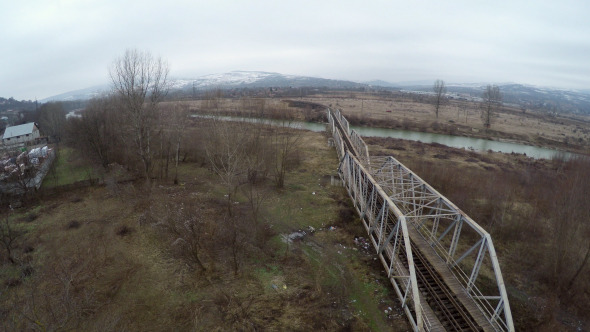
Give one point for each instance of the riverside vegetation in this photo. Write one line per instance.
(202, 241)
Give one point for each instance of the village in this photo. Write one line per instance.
(25, 159)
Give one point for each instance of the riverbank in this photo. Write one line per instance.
(564, 132)
(455, 130)
(569, 134)
(461, 142)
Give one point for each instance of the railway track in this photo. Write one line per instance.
(450, 312)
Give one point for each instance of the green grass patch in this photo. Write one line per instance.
(270, 277)
(298, 209)
(363, 299)
(277, 244)
(67, 169)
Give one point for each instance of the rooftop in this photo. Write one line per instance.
(19, 130)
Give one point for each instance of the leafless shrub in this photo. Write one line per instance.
(73, 224)
(188, 230)
(30, 217)
(10, 238)
(124, 230)
(236, 311)
(59, 304)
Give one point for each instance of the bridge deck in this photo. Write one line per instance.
(433, 324)
(445, 308)
(449, 279)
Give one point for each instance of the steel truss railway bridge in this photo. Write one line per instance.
(441, 263)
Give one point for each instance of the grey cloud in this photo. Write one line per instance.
(53, 47)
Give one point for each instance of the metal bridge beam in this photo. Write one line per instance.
(387, 195)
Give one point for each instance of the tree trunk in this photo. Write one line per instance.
(176, 163)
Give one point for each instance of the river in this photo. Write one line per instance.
(476, 144)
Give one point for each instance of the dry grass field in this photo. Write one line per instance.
(414, 112)
(120, 256)
(565, 132)
(108, 258)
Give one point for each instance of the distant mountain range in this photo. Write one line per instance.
(257, 79)
(526, 96)
(231, 80)
(521, 95)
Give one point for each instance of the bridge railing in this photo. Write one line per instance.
(341, 119)
(465, 246)
(358, 144)
(388, 231)
(338, 143)
(385, 224)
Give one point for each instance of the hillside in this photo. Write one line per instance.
(550, 100)
(546, 99)
(231, 80)
(13, 104)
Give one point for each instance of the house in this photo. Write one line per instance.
(24, 133)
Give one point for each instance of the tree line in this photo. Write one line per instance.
(491, 101)
(134, 127)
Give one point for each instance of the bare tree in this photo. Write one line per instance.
(569, 249)
(226, 153)
(462, 108)
(52, 118)
(9, 237)
(140, 81)
(213, 99)
(492, 99)
(439, 89)
(285, 141)
(175, 117)
(96, 133)
(180, 117)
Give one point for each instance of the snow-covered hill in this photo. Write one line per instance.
(82, 94)
(527, 96)
(234, 79)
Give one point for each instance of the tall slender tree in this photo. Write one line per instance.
(440, 89)
(140, 81)
(492, 100)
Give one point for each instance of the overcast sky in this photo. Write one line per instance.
(49, 47)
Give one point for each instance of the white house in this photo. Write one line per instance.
(24, 133)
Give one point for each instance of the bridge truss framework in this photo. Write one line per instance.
(393, 203)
